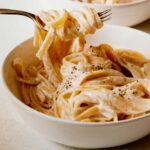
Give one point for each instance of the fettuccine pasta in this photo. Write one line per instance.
(95, 84)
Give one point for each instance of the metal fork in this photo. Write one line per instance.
(104, 16)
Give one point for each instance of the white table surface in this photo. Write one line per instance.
(14, 133)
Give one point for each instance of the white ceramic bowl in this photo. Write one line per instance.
(128, 14)
(77, 134)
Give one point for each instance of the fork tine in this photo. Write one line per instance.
(104, 12)
(106, 19)
(105, 16)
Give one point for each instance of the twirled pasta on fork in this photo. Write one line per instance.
(95, 84)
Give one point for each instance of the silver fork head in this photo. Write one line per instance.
(105, 15)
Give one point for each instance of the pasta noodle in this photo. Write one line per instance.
(95, 84)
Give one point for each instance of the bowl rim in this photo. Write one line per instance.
(60, 120)
(112, 5)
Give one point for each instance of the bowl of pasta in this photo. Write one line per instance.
(124, 12)
(81, 84)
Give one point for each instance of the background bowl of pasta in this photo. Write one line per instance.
(126, 14)
(73, 133)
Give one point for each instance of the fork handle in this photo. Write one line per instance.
(17, 12)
